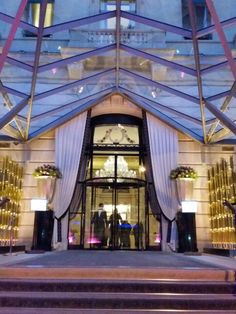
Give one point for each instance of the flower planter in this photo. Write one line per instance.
(46, 187)
(184, 189)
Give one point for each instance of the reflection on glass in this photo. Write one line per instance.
(75, 230)
(154, 232)
(99, 225)
(125, 232)
(138, 235)
(203, 17)
(34, 14)
(110, 5)
(114, 226)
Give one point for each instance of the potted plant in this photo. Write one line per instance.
(184, 177)
(47, 171)
(183, 172)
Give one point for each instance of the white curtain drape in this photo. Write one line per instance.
(68, 145)
(163, 142)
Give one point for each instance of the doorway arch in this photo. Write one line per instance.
(114, 176)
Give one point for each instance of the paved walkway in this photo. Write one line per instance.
(136, 259)
(118, 265)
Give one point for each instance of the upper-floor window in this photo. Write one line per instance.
(126, 5)
(203, 17)
(32, 14)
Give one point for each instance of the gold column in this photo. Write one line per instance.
(11, 175)
(222, 186)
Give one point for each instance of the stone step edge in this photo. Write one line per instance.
(113, 296)
(128, 286)
(126, 273)
(16, 310)
(169, 303)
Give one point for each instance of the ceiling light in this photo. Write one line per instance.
(108, 169)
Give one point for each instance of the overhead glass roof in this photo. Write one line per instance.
(173, 58)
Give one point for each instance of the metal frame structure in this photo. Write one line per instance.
(216, 121)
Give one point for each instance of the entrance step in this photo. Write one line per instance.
(106, 286)
(125, 296)
(105, 311)
(118, 273)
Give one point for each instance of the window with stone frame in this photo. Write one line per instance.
(126, 5)
(32, 14)
(203, 17)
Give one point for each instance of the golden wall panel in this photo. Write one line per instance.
(11, 174)
(222, 187)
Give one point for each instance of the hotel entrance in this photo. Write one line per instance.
(115, 215)
(111, 205)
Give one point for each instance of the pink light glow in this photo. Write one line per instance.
(54, 70)
(93, 240)
(70, 238)
(182, 74)
(158, 238)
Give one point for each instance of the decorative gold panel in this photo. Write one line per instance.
(11, 174)
(222, 187)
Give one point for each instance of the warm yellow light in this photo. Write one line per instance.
(36, 14)
(142, 169)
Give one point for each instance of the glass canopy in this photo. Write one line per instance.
(173, 58)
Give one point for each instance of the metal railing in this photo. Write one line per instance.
(106, 36)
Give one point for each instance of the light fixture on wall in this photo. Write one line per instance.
(189, 206)
(123, 170)
(39, 204)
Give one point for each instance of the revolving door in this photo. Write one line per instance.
(115, 215)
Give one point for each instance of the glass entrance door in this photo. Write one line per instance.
(115, 216)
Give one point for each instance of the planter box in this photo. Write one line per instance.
(46, 187)
(184, 189)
